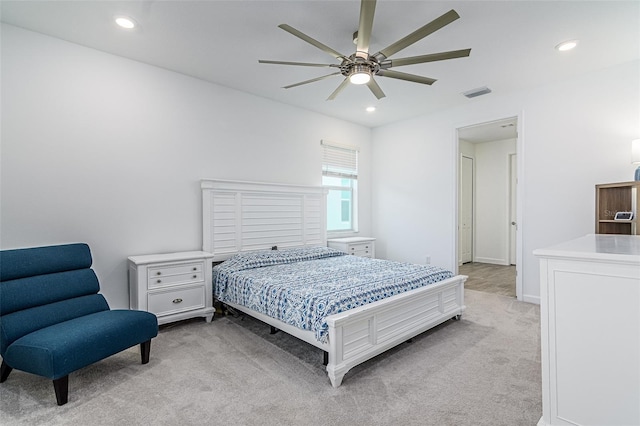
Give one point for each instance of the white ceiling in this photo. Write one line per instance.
(512, 45)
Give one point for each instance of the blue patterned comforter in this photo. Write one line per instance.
(303, 286)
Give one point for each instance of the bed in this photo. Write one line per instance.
(271, 240)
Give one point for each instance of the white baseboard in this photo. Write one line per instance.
(491, 260)
(531, 299)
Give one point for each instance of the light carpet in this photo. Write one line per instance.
(482, 370)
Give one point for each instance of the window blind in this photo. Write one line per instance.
(339, 160)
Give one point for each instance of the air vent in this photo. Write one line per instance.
(477, 92)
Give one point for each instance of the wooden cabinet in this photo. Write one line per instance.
(357, 246)
(612, 198)
(173, 286)
(590, 331)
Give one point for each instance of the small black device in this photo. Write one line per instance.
(623, 216)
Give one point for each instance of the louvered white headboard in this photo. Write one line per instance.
(248, 216)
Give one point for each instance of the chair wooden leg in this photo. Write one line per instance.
(5, 370)
(61, 386)
(145, 349)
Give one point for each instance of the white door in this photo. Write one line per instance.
(465, 214)
(512, 208)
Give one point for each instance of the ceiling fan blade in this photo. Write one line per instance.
(303, 64)
(312, 41)
(375, 89)
(425, 58)
(344, 84)
(417, 35)
(367, 10)
(310, 81)
(404, 76)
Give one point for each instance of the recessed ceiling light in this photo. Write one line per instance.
(371, 109)
(567, 45)
(125, 22)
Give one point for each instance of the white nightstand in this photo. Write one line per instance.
(358, 246)
(174, 286)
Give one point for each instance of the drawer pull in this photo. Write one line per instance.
(195, 268)
(195, 276)
(177, 300)
(158, 273)
(159, 281)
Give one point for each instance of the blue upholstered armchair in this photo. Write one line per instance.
(53, 321)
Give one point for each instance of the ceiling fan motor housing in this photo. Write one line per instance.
(355, 64)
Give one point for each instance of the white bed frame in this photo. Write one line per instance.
(248, 216)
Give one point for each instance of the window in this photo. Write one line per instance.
(340, 177)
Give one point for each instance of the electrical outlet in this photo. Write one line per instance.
(427, 259)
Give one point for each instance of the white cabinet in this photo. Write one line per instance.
(358, 246)
(173, 286)
(590, 336)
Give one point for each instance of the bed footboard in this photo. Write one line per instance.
(362, 333)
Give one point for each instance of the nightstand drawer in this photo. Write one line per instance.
(175, 274)
(362, 249)
(170, 302)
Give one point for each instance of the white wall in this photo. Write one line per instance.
(102, 149)
(491, 234)
(575, 133)
(109, 151)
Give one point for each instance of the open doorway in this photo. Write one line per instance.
(487, 191)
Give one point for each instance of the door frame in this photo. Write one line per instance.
(520, 155)
(473, 207)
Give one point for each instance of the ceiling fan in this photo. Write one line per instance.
(360, 67)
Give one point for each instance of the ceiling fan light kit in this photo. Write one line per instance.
(360, 74)
(361, 67)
